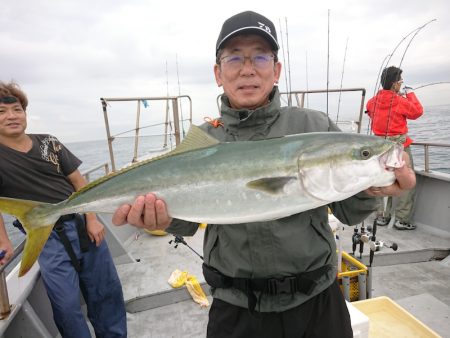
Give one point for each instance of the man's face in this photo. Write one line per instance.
(13, 120)
(247, 85)
(397, 85)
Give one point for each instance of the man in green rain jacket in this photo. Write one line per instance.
(274, 278)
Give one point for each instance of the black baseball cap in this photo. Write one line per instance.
(248, 22)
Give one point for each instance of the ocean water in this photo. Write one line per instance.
(433, 126)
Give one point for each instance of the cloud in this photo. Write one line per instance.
(68, 54)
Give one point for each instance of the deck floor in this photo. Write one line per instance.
(411, 276)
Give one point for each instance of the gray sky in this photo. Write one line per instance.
(68, 54)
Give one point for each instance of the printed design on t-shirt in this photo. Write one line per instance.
(49, 151)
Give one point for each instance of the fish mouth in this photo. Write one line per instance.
(392, 158)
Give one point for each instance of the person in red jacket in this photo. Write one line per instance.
(390, 111)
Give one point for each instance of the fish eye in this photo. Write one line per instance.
(365, 153)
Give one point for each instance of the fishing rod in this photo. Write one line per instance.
(342, 78)
(284, 61)
(400, 65)
(180, 239)
(382, 66)
(328, 61)
(289, 62)
(389, 57)
(179, 94)
(415, 32)
(307, 84)
(431, 84)
(167, 109)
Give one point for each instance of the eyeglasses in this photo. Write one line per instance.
(235, 61)
(8, 99)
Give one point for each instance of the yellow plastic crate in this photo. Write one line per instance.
(352, 268)
(388, 319)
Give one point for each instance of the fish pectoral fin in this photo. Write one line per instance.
(270, 185)
(36, 239)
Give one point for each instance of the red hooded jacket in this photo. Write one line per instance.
(389, 112)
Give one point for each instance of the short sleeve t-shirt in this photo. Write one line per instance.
(39, 174)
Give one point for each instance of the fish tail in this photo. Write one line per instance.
(36, 225)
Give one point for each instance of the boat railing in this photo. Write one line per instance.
(87, 174)
(426, 147)
(176, 107)
(5, 307)
(300, 95)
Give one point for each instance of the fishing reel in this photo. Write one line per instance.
(378, 245)
(368, 236)
(359, 238)
(180, 239)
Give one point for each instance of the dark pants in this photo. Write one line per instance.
(325, 315)
(98, 281)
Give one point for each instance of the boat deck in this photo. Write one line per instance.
(415, 276)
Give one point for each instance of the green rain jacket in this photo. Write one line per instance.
(283, 247)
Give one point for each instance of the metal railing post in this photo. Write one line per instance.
(5, 307)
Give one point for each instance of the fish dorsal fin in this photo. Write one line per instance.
(196, 138)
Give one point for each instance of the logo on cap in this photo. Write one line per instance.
(264, 26)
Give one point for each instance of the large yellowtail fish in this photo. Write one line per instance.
(206, 181)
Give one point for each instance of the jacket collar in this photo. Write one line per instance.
(244, 123)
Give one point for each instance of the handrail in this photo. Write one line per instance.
(301, 101)
(87, 173)
(5, 307)
(176, 100)
(426, 146)
(17, 251)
